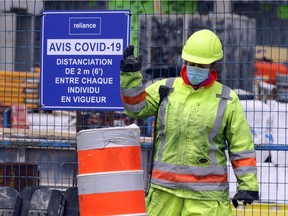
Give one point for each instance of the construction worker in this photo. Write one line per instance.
(197, 121)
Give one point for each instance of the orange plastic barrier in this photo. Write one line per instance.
(110, 180)
(109, 160)
(268, 71)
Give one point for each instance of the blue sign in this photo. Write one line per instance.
(80, 56)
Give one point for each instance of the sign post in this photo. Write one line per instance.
(80, 56)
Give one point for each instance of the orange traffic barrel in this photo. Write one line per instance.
(268, 71)
(110, 179)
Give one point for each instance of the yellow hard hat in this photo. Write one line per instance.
(202, 47)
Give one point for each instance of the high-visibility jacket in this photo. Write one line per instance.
(195, 127)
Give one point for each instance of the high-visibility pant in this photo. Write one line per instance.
(160, 203)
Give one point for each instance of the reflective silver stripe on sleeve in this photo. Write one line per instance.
(136, 107)
(224, 97)
(242, 154)
(132, 92)
(245, 170)
(206, 186)
(110, 182)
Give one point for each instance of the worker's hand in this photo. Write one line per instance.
(130, 63)
(246, 196)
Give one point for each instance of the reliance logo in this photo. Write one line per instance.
(85, 26)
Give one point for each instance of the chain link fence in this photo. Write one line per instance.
(39, 147)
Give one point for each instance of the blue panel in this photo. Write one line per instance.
(80, 56)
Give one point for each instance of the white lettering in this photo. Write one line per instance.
(65, 99)
(58, 47)
(84, 25)
(89, 99)
(66, 80)
(81, 90)
(92, 47)
(84, 61)
(85, 47)
(98, 80)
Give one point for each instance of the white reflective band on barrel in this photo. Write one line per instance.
(108, 137)
(107, 182)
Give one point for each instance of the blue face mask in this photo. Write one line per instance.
(196, 75)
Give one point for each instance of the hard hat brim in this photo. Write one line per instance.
(201, 60)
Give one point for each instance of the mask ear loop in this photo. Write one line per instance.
(213, 65)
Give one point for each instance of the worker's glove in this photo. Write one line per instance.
(130, 63)
(247, 196)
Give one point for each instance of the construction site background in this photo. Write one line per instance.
(38, 148)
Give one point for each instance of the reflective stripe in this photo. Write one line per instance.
(136, 107)
(193, 186)
(170, 81)
(224, 97)
(242, 154)
(243, 162)
(176, 177)
(162, 110)
(101, 138)
(191, 170)
(132, 92)
(161, 114)
(134, 100)
(245, 170)
(110, 182)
